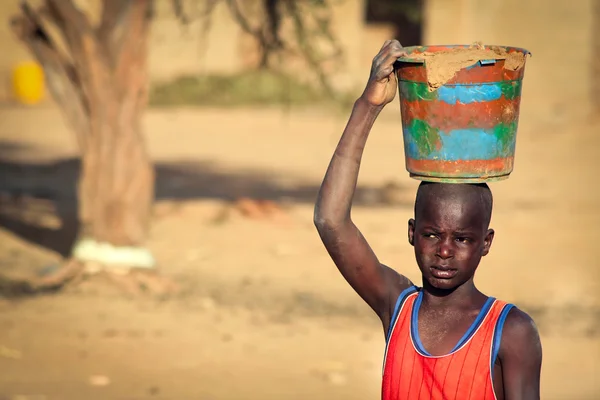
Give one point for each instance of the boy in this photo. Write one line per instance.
(445, 340)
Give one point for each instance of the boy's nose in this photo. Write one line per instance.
(445, 249)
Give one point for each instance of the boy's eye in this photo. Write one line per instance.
(462, 240)
(430, 235)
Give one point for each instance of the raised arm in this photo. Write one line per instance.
(377, 284)
(521, 357)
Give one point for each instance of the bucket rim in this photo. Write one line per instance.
(459, 180)
(423, 48)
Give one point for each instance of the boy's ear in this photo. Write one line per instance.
(411, 231)
(487, 242)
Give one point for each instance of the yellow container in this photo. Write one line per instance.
(28, 82)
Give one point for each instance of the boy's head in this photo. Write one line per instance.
(450, 231)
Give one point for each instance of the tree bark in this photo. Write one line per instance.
(101, 88)
(595, 78)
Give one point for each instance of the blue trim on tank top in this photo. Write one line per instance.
(401, 298)
(414, 331)
(498, 334)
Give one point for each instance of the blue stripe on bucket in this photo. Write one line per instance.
(461, 144)
(469, 93)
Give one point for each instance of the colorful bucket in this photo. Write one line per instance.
(465, 130)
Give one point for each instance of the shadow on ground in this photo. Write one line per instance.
(27, 188)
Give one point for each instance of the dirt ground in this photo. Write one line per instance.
(263, 313)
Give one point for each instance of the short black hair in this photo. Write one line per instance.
(478, 193)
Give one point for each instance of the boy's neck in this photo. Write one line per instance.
(460, 297)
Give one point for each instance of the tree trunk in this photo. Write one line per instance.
(595, 78)
(101, 88)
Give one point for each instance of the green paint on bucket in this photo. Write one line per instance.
(426, 137)
(506, 133)
(511, 89)
(413, 91)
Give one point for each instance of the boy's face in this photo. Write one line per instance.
(449, 236)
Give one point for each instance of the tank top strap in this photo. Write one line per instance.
(500, 312)
(490, 330)
(403, 305)
(486, 324)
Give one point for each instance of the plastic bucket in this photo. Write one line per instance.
(28, 83)
(465, 130)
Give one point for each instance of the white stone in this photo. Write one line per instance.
(114, 256)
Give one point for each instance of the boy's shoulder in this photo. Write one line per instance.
(518, 318)
(520, 356)
(520, 336)
(518, 325)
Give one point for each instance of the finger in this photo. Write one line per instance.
(387, 61)
(391, 46)
(395, 43)
(397, 50)
(392, 57)
(382, 52)
(386, 67)
(384, 72)
(385, 44)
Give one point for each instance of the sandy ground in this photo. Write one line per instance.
(265, 314)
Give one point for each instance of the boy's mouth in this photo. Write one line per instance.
(443, 272)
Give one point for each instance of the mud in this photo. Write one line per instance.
(441, 66)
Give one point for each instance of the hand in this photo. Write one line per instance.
(382, 85)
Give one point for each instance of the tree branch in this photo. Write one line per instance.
(130, 69)
(72, 23)
(110, 30)
(257, 33)
(61, 76)
(180, 14)
(306, 45)
(89, 59)
(68, 12)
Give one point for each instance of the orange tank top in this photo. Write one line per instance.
(466, 373)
